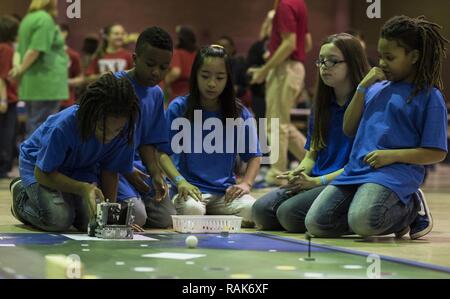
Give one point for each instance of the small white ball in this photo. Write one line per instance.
(191, 241)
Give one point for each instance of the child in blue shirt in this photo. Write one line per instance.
(343, 64)
(400, 125)
(61, 162)
(152, 60)
(206, 145)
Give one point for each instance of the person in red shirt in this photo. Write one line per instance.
(176, 82)
(8, 94)
(76, 77)
(112, 56)
(285, 73)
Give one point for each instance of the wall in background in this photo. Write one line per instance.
(240, 19)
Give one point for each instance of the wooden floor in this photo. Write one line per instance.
(434, 248)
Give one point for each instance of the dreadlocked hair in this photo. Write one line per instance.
(108, 96)
(425, 36)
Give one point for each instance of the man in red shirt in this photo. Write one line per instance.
(284, 73)
(8, 94)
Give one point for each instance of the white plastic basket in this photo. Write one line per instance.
(206, 224)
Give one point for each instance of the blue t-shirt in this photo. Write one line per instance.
(209, 163)
(338, 146)
(390, 122)
(57, 146)
(151, 129)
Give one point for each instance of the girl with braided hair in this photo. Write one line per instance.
(61, 162)
(399, 119)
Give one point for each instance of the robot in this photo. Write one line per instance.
(111, 222)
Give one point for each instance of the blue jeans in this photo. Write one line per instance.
(366, 210)
(278, 210)
(50, 210)
(152, 214)
(38, 112)
(7, 138)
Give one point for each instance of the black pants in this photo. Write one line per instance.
(8, 123)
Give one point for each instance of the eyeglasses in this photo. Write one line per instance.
(328, 63)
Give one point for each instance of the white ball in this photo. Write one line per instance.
(191, 241)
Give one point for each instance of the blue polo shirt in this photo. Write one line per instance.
(57, 146)
(151, 129)
(338, 146)
(390, 122)
(212, 171)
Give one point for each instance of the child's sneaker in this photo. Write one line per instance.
(423, 224)
(13, 187)
(401, 233)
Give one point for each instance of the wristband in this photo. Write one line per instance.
(178, 179)
(361, 89)
(323, 180)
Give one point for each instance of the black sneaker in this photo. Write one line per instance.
(423, 224)
(401, 233)
(13, 188)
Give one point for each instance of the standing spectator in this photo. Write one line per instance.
(43, 63)
(112, 56)
(8, 94)
(176, 82)
(76, 77)
(285, 73)
(256, 58)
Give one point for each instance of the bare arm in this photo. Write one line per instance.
(77, 81)
(172, 76)
(91, 78)
(3, 97)
(252, 171)
(30, 57)
(2, 89)
(353, 114)
(168, 167)
(419, 156)
(331, 176)
(283, 52)
(183, 186)
(58, 181)
(150, 157)
(308, 162)
(308, 43)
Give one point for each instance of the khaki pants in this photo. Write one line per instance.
(283, 87)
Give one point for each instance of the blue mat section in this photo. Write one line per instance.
(32, 239)
(235, 242)
(248, 241)
(362, 253)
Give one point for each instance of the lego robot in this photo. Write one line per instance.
(111, 222)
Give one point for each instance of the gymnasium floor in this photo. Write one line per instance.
(249, 254)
